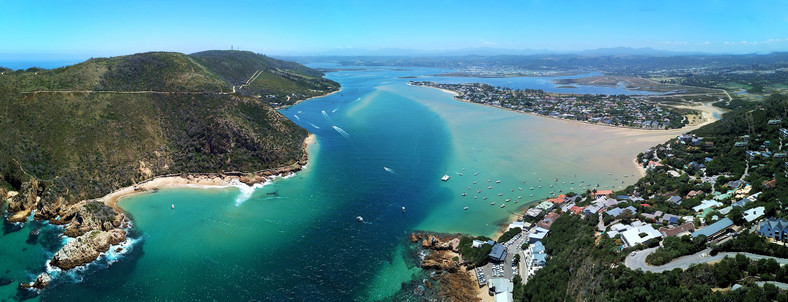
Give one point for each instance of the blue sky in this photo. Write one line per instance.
(30, 28)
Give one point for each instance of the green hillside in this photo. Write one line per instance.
(103, 129)
(275, 81)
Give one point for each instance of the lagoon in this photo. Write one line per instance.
(382, 145)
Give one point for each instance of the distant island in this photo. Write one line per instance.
(72, 135)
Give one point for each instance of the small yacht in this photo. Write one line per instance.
(492, 203)
(532, 195)
(500, 194)
(173, 206)
(403, 209)
(518, 197)
(445, 177)
(503, 205)
(463, 194)
(477, 173)
(508, 199)
(359, 219)
(490, 187)
(465, 208)
(497, 181)
(485, 197)
(532, 188)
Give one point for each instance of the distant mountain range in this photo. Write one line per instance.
(490, 51)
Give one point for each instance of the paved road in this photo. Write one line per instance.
(638, 261)
(779, 285)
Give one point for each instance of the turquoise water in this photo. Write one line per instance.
(382, 145)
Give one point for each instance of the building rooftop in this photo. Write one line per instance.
(714, 228)
(498, 252)
(753, 214)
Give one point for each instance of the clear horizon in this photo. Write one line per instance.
(59, 30)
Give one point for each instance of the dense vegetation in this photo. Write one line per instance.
(78, 144)
(751, 243)
(509, 235)
(275, 81)
(674, 247)
(474, 256)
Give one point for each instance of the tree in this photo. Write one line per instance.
(736, 215)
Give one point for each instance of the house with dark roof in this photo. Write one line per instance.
(671, 232)
(770, 184)
(670, 219)
(675, 199)
(774, 228)
(498, 253)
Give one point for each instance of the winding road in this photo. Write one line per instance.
(638, 261)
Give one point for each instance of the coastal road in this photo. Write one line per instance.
(638, 261)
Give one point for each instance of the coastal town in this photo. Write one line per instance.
(707, 196)
(612, 110)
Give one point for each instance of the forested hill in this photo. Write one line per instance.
(82, 131)
(276, 81)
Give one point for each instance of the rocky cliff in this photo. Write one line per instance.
(86, 248)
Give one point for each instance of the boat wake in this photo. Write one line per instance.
(296, 116)
(313, 125)
(325, 115)
(342, 132)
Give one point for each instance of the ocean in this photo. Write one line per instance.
(381, 145)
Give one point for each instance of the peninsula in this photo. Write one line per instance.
(75, 134)
(612, 110)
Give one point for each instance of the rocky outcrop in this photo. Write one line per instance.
(93, 215)
(24, 202)
(432, 242)
(440, 260)
(41, 282)
(53, 202)
(86, 248)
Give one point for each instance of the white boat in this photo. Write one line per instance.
(173, 206)
(403, 209)
(532, 188)
(465, 208)
(532, 195)
(492, 203)
(518, 197)
(503, 205)
(477, 173)
(497, 181)
(445, 177)
(463, 194)
(359, 219)
(500, 194)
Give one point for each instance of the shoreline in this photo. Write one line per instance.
(306, 99)
(707, 115)
(205, 180)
